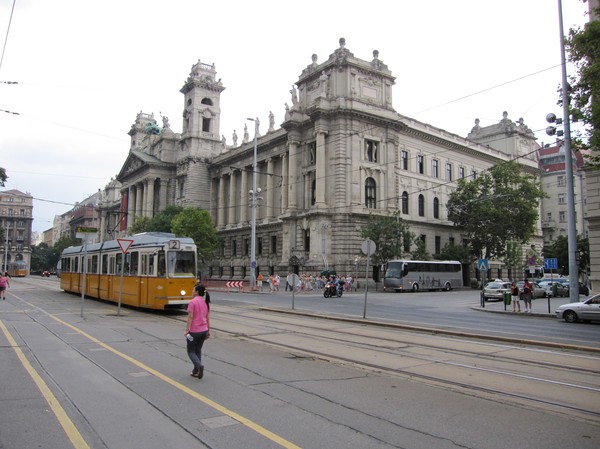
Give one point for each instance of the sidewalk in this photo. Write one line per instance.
(539, 306)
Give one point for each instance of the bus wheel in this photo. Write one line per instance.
(448, 286)
(415, 287)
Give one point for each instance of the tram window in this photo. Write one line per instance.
(133, 263)
(146, 267)
(94, 264)
(181, 263)
(151, 258)
(111, 265)
(161, 265)
(104, 263)
(119, 263)
(76, 265)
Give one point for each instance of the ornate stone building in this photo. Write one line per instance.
(341, 153)
(16, 219)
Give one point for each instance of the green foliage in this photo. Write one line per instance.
(198, 225)
(498, 206)
(44, 257)
(583, 47)
(389, 234)
(3, 176)
(65, 241)
(560, 250)
(161, 222)
(514, 256)
(420, 253)
(455, 252)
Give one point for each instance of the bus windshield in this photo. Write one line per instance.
(181, 264)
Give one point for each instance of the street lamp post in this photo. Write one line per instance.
(571, 225)
(253, 205)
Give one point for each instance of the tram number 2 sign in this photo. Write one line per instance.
(174, 244)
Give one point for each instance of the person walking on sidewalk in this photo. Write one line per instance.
(516, 303)
(4, 284)
(198, 328)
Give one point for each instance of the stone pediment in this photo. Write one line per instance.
(137, 161)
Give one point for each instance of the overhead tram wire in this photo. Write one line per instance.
(7, 33)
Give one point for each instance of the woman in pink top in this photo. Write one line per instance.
(197, 329)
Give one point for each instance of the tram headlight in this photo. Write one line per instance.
(182, 292)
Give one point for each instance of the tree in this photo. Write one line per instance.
(198, 225)
(455, 252)
(583, 48)
(140, 224)
(514, 258)
(43, 257)
(498, 206)
(420, 253)
(390, 234)
(65, 241)
(560, 251)
(163, 221)
(3, 176)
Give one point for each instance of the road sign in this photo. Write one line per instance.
(84, 230)
(124, 244)
(236, 284)
(551, 263)
(368, 247)
(483, 264)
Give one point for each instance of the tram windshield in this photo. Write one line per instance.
(181, 264)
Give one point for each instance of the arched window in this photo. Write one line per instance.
(405, 202)
(207, 101)
(436, 208)
(421, 206)
(370, 193)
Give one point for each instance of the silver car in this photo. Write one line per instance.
(561, 289)
(495, 290)
(538, 290)
(588, 310)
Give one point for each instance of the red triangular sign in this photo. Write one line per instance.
(124, 244)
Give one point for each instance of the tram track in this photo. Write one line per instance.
(559, 380)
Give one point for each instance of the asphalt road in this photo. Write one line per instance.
(281, 380)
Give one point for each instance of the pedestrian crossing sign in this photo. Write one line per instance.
(483, 264)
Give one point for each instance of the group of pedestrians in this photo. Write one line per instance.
(525, 295)
(310, 283)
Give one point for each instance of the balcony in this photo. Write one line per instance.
(548, 224)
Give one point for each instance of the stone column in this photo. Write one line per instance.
(270, 193)
(150, 198)
(162, 194)
(221, 203)
(244, 197)
(321, 172)
(293, 185)
(284, 182)
(139, 199)
(232, 195)
(131, 205)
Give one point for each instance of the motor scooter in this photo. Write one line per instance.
(331, 291)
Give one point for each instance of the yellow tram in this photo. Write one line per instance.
(18, 268)
(159, 270)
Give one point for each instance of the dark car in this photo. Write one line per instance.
(45, 274)
(583, 289)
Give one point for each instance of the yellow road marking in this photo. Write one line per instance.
(233, 415)
(67, 425)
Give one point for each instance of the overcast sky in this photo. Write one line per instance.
(85, 69)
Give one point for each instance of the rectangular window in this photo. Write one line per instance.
(404, 160)
(562, 199)
(420, 164)
(273, 244)
(562, 216)
(473, 174)
(449, 171)
(307, 240)
(438, 244)
(561, 181)
(233, 247)
(435, 168)
(461, 172)
(451, 241)
(259, 245)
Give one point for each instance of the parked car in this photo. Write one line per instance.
(588, 310)
(583, 289)
(495, 290)
(538, 290)
(549, 286)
